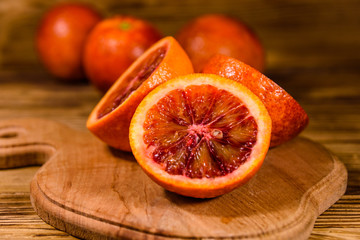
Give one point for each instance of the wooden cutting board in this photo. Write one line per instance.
(92, 191)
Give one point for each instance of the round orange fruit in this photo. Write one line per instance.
(213, 34)
(110, 119)
(200, 135)
(113, 45)
(61, 36)
(288, 117)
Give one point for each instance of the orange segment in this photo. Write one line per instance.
(110, 119)
(132, 81)
(200, 135)
(288, 117)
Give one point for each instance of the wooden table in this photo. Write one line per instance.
(313, 51)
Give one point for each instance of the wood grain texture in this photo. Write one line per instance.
(296, 34)
(94, 192)
(312, 51)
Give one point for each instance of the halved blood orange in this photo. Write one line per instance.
(200, 135)
(288, 117)
(110, 119)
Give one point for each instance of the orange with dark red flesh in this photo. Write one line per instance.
(110, 119)
(200, 135)
(288, 117)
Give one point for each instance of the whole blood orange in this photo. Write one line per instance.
(213, 34)
(110, 119)
(61, 36)
(200, 135)
(288, 117)
(113, 45)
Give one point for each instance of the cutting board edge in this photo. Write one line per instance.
(62, 220)
(310, 200)
(341, 173)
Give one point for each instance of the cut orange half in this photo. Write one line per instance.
(288, 117)
(200, 135)
(110, 119)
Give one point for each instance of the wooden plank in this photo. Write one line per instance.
(295, 34)
(18, 219)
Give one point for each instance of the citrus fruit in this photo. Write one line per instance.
(200, 135)
(288, 117)
(113, 45)
(210, 34)
(61, 36)
(110, 119)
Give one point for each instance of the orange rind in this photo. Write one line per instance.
(287, 115)
(110, 119)
(200, 135)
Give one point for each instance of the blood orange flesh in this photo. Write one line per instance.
(214, 124)
(133, 80)
(200, 135)
(110, 119)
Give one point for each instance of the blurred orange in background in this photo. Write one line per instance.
(211, 34)
(61, 37)
(113, 45)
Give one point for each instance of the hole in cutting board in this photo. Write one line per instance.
(23, 155)
(9, 132)
(9, 135)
